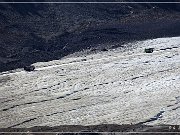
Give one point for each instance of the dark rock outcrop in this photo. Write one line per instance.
(43, 32)
(29, 68)
(149, 50)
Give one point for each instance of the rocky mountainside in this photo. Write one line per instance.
(42, 32)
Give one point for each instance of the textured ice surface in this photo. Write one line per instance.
(119, 87)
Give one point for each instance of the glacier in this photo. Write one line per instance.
(119, 86)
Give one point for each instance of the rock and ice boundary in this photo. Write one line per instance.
(113, 87)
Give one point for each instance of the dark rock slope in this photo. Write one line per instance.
(42, 32)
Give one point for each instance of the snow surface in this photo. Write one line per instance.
(114, 87)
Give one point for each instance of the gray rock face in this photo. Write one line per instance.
(44, 32)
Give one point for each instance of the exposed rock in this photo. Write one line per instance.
(57, 30)
(104, 50)
(29, 68)
(149, 50)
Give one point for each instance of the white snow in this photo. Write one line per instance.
(119, 87)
